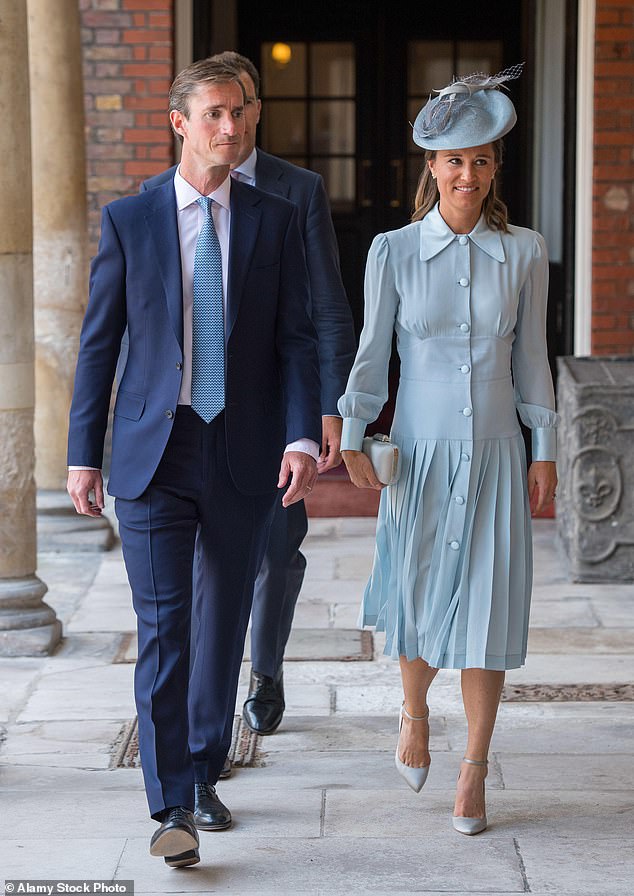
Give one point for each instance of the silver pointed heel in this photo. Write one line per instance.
(471, 826)
(415, 777)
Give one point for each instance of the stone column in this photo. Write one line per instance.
(60, 260)
(28, 626)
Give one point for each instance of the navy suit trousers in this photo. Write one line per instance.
(190, 524)
(277, 588)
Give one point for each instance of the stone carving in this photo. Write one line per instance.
(595, 506)
(597, 484)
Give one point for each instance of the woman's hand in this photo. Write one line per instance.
(360, 470)
(542, 483)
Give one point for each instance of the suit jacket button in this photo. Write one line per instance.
(169, 414)
(179, 366)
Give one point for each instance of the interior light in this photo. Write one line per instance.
(281, 54)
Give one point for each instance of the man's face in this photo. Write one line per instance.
(214, 129)
(252, 110)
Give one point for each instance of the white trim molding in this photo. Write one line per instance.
(183, 34)
(584, 177)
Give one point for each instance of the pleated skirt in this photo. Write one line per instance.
(452, 573)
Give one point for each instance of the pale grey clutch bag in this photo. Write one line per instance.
(384, 456)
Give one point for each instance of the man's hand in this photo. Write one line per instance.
(360, 470)
(542, 482)
(330, 456)
(302, 470)
(79, 486)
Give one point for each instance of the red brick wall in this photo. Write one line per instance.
(128, 51)
(613, 216)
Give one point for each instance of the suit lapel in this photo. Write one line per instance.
(245, 223)
(162, 221)
(269, 175)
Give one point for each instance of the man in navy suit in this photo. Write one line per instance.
(178, 480)
(282, 572)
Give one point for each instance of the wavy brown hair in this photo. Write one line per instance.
(427, 195)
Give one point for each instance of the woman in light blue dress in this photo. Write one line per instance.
(465, 293)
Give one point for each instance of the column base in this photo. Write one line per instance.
(61, 528)
(28, 626)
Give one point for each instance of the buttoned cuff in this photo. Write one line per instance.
(544, 443)
(352, 434)
(82, 468)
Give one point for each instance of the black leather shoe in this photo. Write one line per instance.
(264, 707)
(177, 833)
(227, 769)
(183, 859)
(210, 814)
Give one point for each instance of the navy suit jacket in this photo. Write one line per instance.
(272, 368)
(330, 310)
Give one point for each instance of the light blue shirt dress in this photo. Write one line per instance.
(452, 574)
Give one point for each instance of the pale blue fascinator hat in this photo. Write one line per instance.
(471, 111)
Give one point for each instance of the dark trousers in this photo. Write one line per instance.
(277, 588)
(190, 501)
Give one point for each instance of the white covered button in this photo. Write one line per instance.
(465, 328)
(454, 545)
(465, 456)
(465, 368)
(463, 281)
(459, 499)
(467, 412)
(463, 240)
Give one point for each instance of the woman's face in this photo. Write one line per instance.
(464, 177)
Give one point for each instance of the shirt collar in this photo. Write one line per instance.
(247, 168)
(436, 235)
(186, 195)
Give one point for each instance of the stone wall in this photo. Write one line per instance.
(128, 51)
(613, 217)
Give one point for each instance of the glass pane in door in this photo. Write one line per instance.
(332, 126)
(283, 71)
(430, 66)
(332, 69)
(284, 127)
(479, 56)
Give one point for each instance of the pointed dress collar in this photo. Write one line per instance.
(436, 235)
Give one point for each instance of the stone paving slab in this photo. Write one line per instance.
(329, 865)
(20, 675)
(337, 591)
(540, 813)
(67, 781)
(585, 866)
(304, 645)
(348, 769)
(533, 735)
(543, 668)
(291, 813)
(78, 744)
(88, 692)
(54, 857)
(563, 611)
(355, 734)
(554, 772)
(581, 640)
(106, 608)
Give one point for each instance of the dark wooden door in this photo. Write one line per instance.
(349, 76)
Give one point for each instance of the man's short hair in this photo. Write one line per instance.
(236, 60)
(205, 71)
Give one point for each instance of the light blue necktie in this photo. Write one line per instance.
(208, 329)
